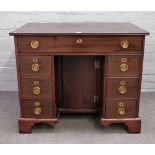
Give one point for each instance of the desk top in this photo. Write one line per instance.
(93, 28)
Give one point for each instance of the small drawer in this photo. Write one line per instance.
(36, 108)
(36, 44)
(99, 44)
(122, 88)
(36, 87)
(35, 65)
(123, 66)
(121, 109)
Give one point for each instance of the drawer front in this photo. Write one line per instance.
(36, 108)
(36, 44)
(98, 44)
(122, 88)
(36, 87)
(35, 65)
(121, 108)
(123, 65)
(80, 44)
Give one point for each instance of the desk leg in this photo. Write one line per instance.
(25, 124)
(133, 124)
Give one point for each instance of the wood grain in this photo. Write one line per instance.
(130, 107)
(45, 84)
(68, 44)
(133, 63)
(28, 105)
(44, 62)
(131, 86)
(85, 28)
(67, 78)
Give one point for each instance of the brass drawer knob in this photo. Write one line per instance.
(34, 44)
(36, 90)
(79, 40)
(124, 44)
(121, 111)
(35, 67)
(37, 110)
(124, 67)
(122, 89)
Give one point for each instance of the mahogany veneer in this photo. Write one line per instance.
(79, 68)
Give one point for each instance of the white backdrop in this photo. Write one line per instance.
(12, 20)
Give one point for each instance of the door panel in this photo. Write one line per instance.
(78, 82)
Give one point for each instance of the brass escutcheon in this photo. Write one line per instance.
(124, 59)
(121, 104)
(36, 90)
(34, 60)
(124, 67)
(36, 82)
(123, 83)
(37, 104)
(34, 44)
(122, 89)
(124, 44)
(79, 40)
(35, 67)
(121, 111)
(37, 110)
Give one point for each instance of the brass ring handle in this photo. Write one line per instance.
(121, 111)
(37, 110)
(34, 44)
(124, 67)
(79, 40)
(122, 89)
(36, 90)
(35, 67)
(124, 44)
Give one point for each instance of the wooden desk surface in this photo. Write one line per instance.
(79, 29)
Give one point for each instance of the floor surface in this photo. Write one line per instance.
(74, 128)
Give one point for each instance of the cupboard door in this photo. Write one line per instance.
(79, 82)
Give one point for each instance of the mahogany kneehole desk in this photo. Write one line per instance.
(79, 68)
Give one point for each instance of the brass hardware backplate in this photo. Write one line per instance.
(124, 59)
(35, 67)
(122, 89)
(36, 82)
(121, 104)
(36, 90)
(37, 104)
(34, 44)
(124, 67)
(123, 83)
(37, 110)
(79, 40)
(34, 60)
(124, 44)
(121, 111)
